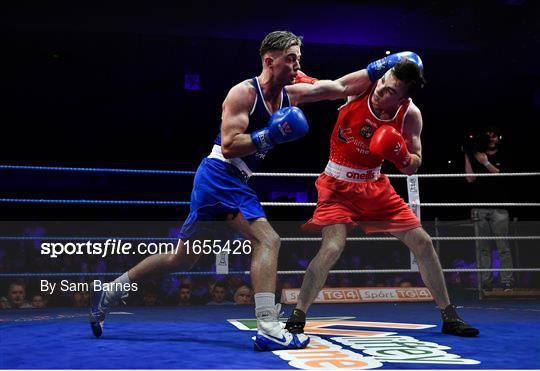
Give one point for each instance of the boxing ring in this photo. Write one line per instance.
(360, 336)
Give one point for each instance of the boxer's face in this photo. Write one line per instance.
(284, 64)
(389, 93)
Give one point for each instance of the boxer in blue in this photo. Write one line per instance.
(257, 115)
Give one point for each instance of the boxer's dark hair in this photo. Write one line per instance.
(279, 40)
(411, 75)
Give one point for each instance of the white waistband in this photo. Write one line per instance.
(350, 174)
(237, 162)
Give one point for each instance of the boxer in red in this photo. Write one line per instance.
(382, 123)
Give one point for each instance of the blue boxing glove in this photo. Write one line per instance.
(285, 125)
(377, 69)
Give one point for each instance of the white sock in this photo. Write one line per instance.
(113, 296)
(264, 299)
(267, 313)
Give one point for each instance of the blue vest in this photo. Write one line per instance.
(258, 119)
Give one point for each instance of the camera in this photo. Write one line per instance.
(476, 143)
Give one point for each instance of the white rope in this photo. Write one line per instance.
(452, 175)
(288, 203)
(283, 239)
(425, 204)
(453, 238)
(479, 204)
(462, 270)
(189, 172)
(300, 175)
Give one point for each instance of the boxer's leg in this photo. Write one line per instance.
(101, 301)
(155, 265)
(333, 242)
(160, 264)
(419, 242)
(266, 243)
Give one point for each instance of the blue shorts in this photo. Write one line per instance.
(219, 189)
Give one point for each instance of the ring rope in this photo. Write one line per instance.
(340, 271)
(425, 204)
(278, 204)
(96, 170)
(452, 238)
(283, 239)
(181, 172)
(450, 175)
(82, 201)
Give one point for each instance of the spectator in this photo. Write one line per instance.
(234, 282)
(4, 303)
(219, 291)
(200, 290)
(150, 297)
(186, 281)
(184, 295)
(482, 155)
(38, 301)
(17, 295)
(405, 284)
(243, 295)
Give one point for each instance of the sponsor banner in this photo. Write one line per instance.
(323, 355)
(347, 345)
(362, 295)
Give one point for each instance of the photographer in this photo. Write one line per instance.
(482, 155)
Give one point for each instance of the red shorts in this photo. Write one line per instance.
(373, 206)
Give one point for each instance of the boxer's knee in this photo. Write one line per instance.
(173, 260)
(423, 246)
(271, 240)
(331, 251)
(180, 258)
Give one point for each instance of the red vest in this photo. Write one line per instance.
(354, 128)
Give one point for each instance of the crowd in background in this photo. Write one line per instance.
(212, 289)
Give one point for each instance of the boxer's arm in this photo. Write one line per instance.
(412, 128)
(351, 84)
(234, 122)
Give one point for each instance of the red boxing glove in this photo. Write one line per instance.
(389, 144)
(303, 78)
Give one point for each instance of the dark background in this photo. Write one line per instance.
(102, 85)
